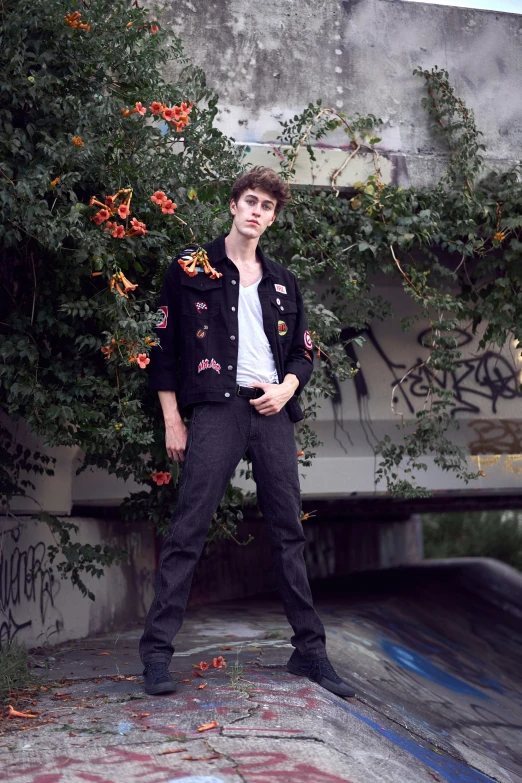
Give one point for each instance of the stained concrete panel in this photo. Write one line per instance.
(268, 60)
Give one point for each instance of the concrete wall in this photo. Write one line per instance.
(38, 608)
(268, 60)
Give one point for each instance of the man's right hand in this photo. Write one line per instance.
(176, 439)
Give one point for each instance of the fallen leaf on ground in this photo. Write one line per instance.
(201, 758)
(197, 674)
(174, 750)
(103, 653)
(226, 648)
(202, 686)
(184, 680)
(15, 714)
(219, 662)
(144, 715)
(206, 726)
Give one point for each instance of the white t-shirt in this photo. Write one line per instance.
(255, 361)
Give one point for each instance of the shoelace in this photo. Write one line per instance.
(321, 667)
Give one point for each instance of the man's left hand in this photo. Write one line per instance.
(275, 396)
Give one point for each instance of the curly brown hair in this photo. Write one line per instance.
(266, 179)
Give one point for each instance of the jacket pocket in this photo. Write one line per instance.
(200, 296)
(285, 313)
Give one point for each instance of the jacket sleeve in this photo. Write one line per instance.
(164, 356)
(300, 359)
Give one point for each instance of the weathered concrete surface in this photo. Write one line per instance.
(436, 666)
(268, 60)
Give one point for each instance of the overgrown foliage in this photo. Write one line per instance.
(16, 676)
(111, 162)
(496, 534)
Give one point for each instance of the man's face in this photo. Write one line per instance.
(253, 212)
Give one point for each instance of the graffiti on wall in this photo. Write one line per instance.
(27, 587)
(479, 383)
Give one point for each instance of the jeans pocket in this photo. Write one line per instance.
(197, 410)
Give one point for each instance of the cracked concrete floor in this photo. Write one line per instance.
(438, 697)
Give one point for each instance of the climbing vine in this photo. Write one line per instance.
(111, 161)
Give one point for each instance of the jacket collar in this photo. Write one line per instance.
(217, 253)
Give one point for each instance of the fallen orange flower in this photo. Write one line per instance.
(207, 726)
(203, 665)
(200, 687)
(15, 714)
(195, 673)
(219, 662)
(202, 758)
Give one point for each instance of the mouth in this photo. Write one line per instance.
(254, 222)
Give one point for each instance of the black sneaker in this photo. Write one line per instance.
(157, 679)
(321, 671)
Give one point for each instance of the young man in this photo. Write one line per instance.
(235, 350)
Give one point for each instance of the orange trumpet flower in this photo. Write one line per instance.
(198, 258)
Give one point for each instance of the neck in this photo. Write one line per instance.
(240, 248)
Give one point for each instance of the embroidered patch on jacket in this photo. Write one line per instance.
(200, 306)
(281, 289)
(282, 328)
(205, 364)
(308, 340)
(164, 310)
(308, 355)
(201, 332)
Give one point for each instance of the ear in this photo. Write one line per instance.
(233, 206)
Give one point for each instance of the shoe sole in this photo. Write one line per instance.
(333, 688)
(296, 670)
(330, 687)
(162, 687)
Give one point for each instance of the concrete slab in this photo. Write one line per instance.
(435, 664)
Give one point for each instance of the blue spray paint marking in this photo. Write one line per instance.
(452, 770)
(124, 728)
(414, 662)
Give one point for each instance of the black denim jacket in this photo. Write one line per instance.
(196, 351)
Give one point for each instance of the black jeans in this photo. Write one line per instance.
(220, 435)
